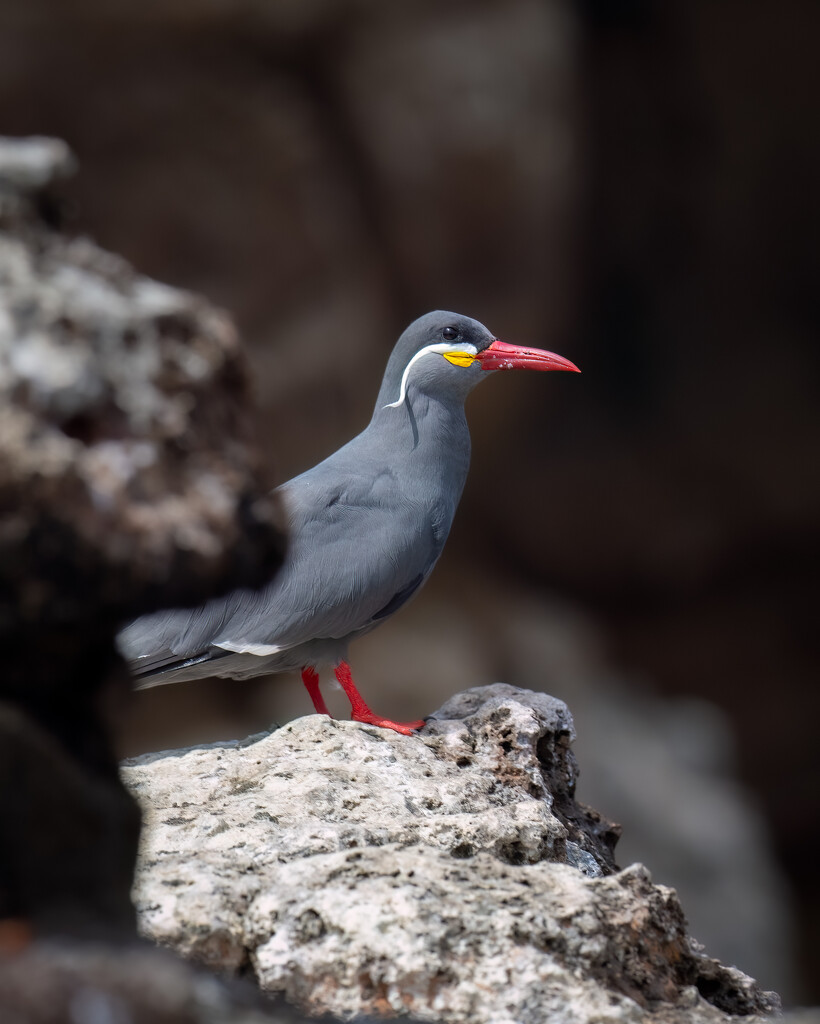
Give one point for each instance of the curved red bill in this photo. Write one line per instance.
(501, 356)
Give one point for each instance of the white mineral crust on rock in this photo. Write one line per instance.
(449, 875)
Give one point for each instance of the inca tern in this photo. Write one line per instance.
(366, 526)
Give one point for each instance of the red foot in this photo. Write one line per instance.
(360, 712)
(406, 728)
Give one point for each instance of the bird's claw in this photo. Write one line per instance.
(405, 728)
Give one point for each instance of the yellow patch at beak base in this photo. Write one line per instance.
(459, 358)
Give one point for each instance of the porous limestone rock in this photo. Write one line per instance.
(449, 875)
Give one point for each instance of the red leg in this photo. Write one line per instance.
(360, 712)
(310, 678)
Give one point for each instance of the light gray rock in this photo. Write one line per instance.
(449, 875)
(29, 164)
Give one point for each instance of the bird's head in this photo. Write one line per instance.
(445, 355)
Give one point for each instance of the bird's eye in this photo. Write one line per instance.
(449, 334)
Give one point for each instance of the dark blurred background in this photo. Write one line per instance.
(627, 183)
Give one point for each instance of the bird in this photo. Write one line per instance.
(365, 528)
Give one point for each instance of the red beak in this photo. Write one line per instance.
(500, 356)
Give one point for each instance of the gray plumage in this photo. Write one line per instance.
(366, 527)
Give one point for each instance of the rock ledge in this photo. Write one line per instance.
(451, 875)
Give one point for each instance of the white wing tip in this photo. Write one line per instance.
(243, 647)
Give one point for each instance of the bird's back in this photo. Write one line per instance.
(366, 527)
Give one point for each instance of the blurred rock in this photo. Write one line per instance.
(450, 875)
(124, 430)
(70, 831)
(29, 165)
(127, 482)
(84, 983)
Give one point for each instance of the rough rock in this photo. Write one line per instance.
(450, 875)
(666, 768)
